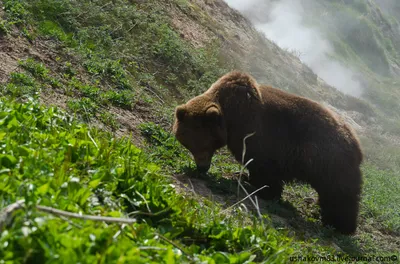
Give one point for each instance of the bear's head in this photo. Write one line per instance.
(199, 126)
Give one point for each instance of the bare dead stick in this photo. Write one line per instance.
(151, 248)
(245, 198)
(85, 217)
(243, 154)
(244, 145)
(252, 201)
(6, 214)
(191, 185)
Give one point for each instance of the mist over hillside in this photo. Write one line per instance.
(89, 168)
(391, 7)
(282, 22)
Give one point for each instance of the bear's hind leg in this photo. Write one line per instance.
(340, 210)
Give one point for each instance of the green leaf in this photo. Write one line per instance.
(8, 161)
(23, 151)
(43, 189)
(2, 135)
(169, 258)
(94, 183)
(221, 258)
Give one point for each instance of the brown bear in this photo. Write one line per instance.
(295, 138)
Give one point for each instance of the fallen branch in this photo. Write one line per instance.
(156, 95)
(145, 201)
(151, 248)
(244, 145)
(150, 214)
(191, 184)
(85, 217)
(6, 214)
(241, 173)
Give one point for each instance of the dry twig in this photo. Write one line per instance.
(255, 204)
(6, 214)
(248, 196)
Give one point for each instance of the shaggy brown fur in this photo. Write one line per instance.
(295, 138)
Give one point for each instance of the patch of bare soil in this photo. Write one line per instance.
(189, 29)
(16, 48)
(129, 121)
(11, 50)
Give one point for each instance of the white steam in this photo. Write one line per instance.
(282, 22)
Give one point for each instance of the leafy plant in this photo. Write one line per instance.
(60, 163)
(108, 119)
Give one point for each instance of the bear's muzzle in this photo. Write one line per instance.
(203, 161)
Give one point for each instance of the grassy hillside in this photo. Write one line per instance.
(367, 39)
(88, 90)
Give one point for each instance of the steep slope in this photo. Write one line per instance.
(353, 40)
(369, 41)
(327, 36)
(117, 65)
(244, 47)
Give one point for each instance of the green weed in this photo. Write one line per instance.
(83, 107)
(120, 42)
(381, 199)
(21, 85)
(109, 120)
(123, 99)
(49, 159)
(166, 150)
(38, 70)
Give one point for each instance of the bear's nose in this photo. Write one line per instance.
(203, 168)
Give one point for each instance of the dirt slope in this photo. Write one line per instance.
(203, 22)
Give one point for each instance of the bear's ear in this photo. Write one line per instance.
(213, 114)
(180, 112)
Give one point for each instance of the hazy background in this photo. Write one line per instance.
(282, 21)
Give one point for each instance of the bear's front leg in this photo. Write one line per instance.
(266, 175)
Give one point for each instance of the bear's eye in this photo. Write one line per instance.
(248, 96)
(194, 123)
(209, 121)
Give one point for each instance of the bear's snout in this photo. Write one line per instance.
(203, 161)
(203, 168)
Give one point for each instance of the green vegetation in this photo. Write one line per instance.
(120, 43)
(380, 208)
(49, 159)
(127, 51)
(381, 199)
(118, 58)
